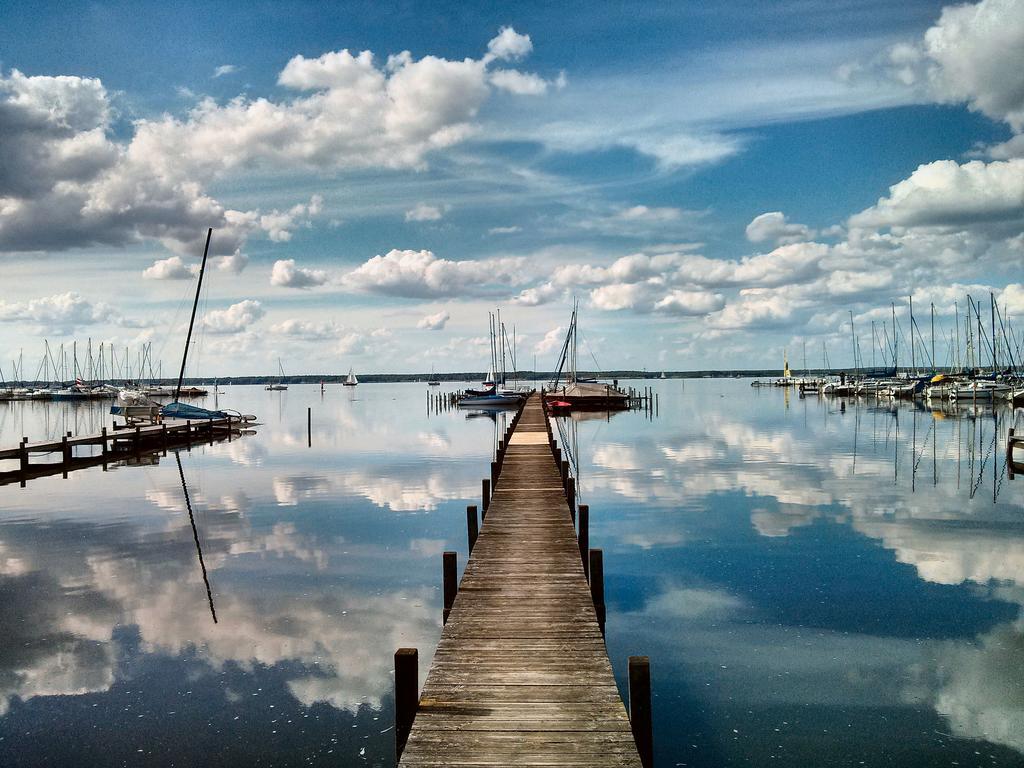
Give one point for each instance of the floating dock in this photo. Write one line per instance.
(113, 445)
(521, 675)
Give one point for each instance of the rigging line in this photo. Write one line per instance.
(924, 444)
(195, 535)
(592, 355)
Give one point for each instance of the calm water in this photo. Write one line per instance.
(815, 586)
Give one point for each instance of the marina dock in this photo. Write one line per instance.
(71, 452)
(521, 675)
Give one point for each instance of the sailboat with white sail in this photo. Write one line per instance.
(350, 380)
(568, 391)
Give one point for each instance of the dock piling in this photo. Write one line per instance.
(309, 427)
(583, 537)
(485, 493)
(597, 585)
(570, 495)
(472, 526)
(449, 571)
(406, 695)
(640, 718)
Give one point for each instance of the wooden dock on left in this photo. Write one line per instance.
(114, 445)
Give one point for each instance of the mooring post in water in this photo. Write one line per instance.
(485, 494)
(570, 495)
(640, 716)
(449, 572)
(583, 537)
(472, 526)
(309, 427)
(406, 695)
(597, 585)
(103, 447)
(23, 454)
(494, 473)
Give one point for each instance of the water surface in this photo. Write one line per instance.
(816, 582)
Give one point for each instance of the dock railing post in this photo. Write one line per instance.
(449, 574)
(570, 495)
(485, 495)
(597, 585)
(583, 538)
(406, 695)
(472, 526)
(640, 717)
(23, 454)
(494, 474)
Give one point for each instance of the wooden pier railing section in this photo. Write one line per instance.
(521, 675)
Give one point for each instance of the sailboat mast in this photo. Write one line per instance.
(192, 320)
(992, 305)
(913, 362)
(895, 341)
(853, 335)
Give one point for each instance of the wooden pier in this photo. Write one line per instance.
(521, 675)
(114, 445)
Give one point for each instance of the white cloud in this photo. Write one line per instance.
(947, 194)
(424, 212)
(519, 83)
(509, 44)
(541, 294)
(307, 330)
(552, 340)
(286, 275)
(235, 319)
(434, 322)
(504, 230)
(172, 268)
(224, 69)
(233, 263)
(420, 274)
(645, 213)
(774, 227)
(61, 312)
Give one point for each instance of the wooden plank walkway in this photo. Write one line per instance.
(521, 675)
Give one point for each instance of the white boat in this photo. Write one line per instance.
(350, 380)
(980, 390)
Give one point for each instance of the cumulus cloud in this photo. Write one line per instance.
(424, 212)
(235, 319)
(66, 181)
(172, 268)
(434, 322)
(233, 263)
(509, 45)
(61, 312)
(225, 69)
(421, 274)
(948, 194)
(286, 275)
(540, 294)
(773, 226)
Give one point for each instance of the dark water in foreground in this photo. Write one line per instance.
(815, 587)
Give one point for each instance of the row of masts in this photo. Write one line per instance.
(970, 346)
(104, 364)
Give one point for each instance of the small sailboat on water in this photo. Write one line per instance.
(433, 380)
(350, 380)
(279, 384)
(569, 391)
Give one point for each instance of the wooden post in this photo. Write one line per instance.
(309, 427)
(640, 720)
(472, 526)
(65, 449)
(597, 585)
(570, 495)
(1009, 452)
(583, 538)
(485, 493)
(23, 454)
(564, 471)
(136, 439)
(450, 576)
(407, 695)
(103, 447)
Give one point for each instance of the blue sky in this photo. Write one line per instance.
(716, 183)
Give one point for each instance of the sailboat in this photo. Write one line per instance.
(350, 380)
(148, 411)
(572, 392)
(280, 382)
(433, 380)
